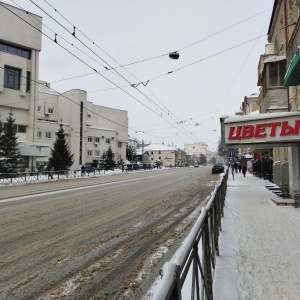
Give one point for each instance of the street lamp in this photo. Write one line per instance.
(174, 55)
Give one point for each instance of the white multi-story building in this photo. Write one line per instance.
(90, 129)
(196, 149)
(162, 154)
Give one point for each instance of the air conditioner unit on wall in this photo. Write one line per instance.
(96, 144)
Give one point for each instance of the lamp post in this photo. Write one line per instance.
(142, 151)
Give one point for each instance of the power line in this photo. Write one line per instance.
(158, 56)
(241, 66)
(226, 28)
(86, 63)
(82, 61)
(88, 110)
(133, 85)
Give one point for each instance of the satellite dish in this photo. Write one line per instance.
(174, 55)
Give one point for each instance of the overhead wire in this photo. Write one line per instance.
(88, 110)
(133, 85)
(82, 61)
(163, 54)
(182, 48)
(242, 66)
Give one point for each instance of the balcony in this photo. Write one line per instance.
(292, 76)
(275, 100)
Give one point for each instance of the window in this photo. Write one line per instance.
(39, 134)
(90, 152)
(39, 109)
(90, 139)
(28, 81)
(151, 152)
(48, 135)
(159, 157)
(107, 141)
(119, 144)
(97, 152)
(158, 152)
(12, 78)
(97, 139)
(21, 129)
(14, 50)
(50, 110)
(276, 73)
(17, 128)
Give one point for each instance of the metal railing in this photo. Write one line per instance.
(196, 258)
(24, 177)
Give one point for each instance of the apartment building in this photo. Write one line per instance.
(194, 151)
(275, 96)
(165, 155)
(274, 133)
(90, 129)
(20, 45)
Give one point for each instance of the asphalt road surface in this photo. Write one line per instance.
(96, 238)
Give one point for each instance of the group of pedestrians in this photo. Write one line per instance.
(237, 166)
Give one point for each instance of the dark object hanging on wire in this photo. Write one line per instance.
(174, 55)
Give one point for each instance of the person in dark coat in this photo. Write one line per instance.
(82, 170)
(240, 168)
(235, 167)
(244, 170)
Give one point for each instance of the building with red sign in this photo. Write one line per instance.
(273, 134)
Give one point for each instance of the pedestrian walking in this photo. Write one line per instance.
(51, 171)
(244, 170)
(82, 170)
(240, 168)
(123, 166)
(235, 166)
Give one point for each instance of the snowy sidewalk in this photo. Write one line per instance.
(259, 244)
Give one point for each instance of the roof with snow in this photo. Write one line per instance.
(159, 147)
(274, 58)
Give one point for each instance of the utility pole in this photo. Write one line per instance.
(142, 151)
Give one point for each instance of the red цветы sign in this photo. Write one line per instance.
(269, 128)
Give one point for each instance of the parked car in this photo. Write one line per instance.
(135, 166)
(217, 168)
(147, 166)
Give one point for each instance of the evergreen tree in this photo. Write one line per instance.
(222, 150)
(107, 161)
(11, 161)
(130, 153)
(61, 157)
(202, 159)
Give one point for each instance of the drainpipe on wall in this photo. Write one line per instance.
(286, 45)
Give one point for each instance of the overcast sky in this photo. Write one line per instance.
(219, 43)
